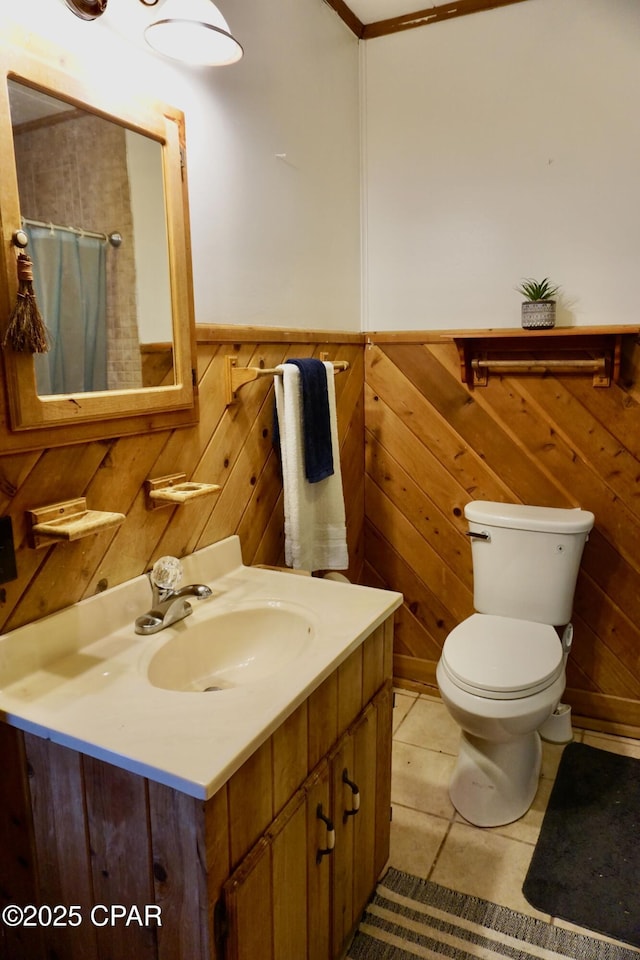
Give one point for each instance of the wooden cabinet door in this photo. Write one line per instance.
(361, 800)
(299, 892)
(320, 855)
(363, 777)
(341, 761)
(383, 703)
(277, 901)
(288, 842)
(248, 902)
(266, 897)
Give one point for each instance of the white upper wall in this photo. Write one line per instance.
(498, 146)
(274, 169)
(273, 152)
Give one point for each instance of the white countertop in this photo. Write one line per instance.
(79, 676)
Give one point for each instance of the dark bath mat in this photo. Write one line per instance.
(586, 864)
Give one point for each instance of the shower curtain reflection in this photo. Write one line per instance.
(69, 275)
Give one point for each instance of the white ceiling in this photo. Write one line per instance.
(371, 11)
(375, 18)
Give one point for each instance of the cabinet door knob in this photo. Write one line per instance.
(355, 791)
(331, 834)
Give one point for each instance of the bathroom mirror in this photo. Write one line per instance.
(96, 183)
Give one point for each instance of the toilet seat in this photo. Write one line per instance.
(501, 658)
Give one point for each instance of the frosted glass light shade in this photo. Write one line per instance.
(193, 31)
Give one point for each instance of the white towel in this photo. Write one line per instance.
(315, 533)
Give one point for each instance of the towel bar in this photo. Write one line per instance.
(236, 377)
(593, 366)
(599, 367)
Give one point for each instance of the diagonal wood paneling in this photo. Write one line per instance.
(432, 445)
(416, 445)
(230, 445)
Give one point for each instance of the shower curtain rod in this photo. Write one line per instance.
(115, 239)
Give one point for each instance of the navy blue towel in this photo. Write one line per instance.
(318, 450)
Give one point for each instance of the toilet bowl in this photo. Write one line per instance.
(501, 678)
(501, 673)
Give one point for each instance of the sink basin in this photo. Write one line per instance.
(84, 679)
(232, 648)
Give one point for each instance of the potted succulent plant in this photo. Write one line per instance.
(539, 307)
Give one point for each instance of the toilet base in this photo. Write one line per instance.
(495, 783)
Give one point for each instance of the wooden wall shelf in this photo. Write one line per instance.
(561, 350)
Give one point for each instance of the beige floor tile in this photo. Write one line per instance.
(485, 864)
(429, 724)
(430, 840)
(621, 745)
(415, 840)
(420, 779)
(551, 757)
(527, 828)
(401, 706)
(406, 693)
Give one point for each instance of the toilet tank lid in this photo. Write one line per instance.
(520, 516)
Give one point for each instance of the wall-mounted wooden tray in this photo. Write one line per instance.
(66, 521)
(175, 489)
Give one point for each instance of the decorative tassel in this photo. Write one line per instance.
(26, 332)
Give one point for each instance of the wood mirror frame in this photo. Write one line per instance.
(29, 421)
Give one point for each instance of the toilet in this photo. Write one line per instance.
(502, 670)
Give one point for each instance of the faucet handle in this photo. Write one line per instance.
(165, 576)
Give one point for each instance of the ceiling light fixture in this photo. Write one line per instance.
(192, 31)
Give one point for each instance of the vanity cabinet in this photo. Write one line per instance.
(234, 877)
(300, 890)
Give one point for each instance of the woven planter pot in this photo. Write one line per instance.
(538, 314)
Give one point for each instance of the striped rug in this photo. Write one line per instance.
(410, 918)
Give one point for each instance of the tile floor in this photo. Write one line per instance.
(430, 840)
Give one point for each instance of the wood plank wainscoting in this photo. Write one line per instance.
(416, 445)
(231, 446)
(432, 444)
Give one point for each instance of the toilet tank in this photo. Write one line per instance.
(526, 559)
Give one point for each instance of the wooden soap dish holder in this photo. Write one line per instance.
(67, 521)
(174, 490)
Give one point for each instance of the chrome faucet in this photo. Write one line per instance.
(168, 604)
